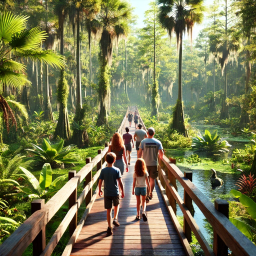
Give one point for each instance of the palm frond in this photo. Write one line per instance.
(13, 66)
(11, 24)
(47, 57)
(15, 105)
(28, 39)
(11, 78)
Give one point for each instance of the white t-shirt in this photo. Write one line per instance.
(140, 181)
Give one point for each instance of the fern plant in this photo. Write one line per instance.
(210, 142)
(54, 154)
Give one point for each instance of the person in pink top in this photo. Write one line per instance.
(129, 143)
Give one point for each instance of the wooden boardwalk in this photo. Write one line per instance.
(157, 236)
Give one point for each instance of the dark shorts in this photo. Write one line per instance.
(137, 145)
(128, 147)
(130, 119)
(136, 121)
(140, 191)
(108, 200)
(152, 171)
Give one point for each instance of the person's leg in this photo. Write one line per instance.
(143, 199)
(152, 184)
(138, 205)
(109, 218)
(116, 211)
(129, 156)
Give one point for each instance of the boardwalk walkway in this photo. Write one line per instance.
(157, 236)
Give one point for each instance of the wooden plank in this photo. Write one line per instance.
(182, 236)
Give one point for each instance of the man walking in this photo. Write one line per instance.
(151, 148)
(139, 135)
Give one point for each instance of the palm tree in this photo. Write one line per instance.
(179, 16)
(17, 43)
(113, 19)
(63, 127)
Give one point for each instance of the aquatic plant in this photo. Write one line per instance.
(210, 142)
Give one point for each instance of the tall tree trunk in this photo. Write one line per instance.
(80, 136)
(244, 115)
(47, 102)
(178, 113)
(224, 110)
(63, 128)
(103, 92)
(155, 94)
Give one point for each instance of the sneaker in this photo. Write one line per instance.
(144, 216)
(109, 231)
(116, 223)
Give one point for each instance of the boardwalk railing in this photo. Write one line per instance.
(33, 230)
(226, 235)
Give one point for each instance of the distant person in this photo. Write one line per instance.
(139, 135)
(140, 183)
(112, 181)
(128, 143)
(130, 116)
(136, 119)
(117, 146)
(151, 148)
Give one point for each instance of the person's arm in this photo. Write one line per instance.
(134, 136)
(133, 185)
(121, 185)
(160, 153)
(149, 188)
(125, 160)
(140, 152)
(100, 191)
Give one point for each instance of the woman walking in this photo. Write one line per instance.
(117, 146)
(139, 187)
(129, 143)
(130, 116)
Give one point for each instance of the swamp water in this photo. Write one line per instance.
(201, 177)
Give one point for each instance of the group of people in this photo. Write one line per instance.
(130, 117)
(145, 171)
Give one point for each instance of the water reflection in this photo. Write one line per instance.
(201, 179)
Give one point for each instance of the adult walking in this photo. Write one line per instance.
(139, 135)
(117, 147)
(128, 143)
(151, 148)
(136, 119)
(130, 116)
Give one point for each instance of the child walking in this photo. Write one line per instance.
(112, 181)
(140, 183)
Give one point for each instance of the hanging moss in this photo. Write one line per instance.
(63, 90)
(155, 99)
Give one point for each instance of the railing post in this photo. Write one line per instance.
(99, 164)
(189, 205)
(172, 180)
(219, 247)
(71, 201)
(39, 242)
(88, 179)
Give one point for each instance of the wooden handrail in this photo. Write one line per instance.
(28, 231)
(238, 243)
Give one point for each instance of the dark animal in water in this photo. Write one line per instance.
(215, 180)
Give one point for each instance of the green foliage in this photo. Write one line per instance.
(63, 90)
(45, 186)
(38, 115)
(247, 222)
(210, 142)
(54, 154)
(193, 159)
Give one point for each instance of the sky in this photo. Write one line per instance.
(142, 5)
